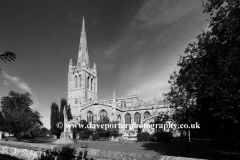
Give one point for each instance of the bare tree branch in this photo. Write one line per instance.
(7, 56)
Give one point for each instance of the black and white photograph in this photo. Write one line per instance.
(119, 79)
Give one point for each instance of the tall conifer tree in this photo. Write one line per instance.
(55, 119)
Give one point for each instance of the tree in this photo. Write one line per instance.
(33, 132)
(209, 74)
(18, 117)
(36, 131)
(43, 132)
(2, 123)
(63, 103)
(179, 98)
(7, 56)
(55, 119)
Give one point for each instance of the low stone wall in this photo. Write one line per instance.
(32, 145)
(26, 151)
(31, 151)
(20, 153)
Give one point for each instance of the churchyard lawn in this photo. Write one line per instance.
(202, 149)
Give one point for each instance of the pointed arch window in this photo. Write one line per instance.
(137, 118)
(146, 115)
(89, 117)
(88, 82)
(103, 115)
(123, 104)
(119, 119)
(76, 81)
(127, 120)
(80, 80)
(91, 84)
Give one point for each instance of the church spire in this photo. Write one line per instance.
(83, 49)
(114, 96)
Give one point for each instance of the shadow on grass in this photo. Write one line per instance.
(65, 153)
(198, 149)
(41, 140)
(35, 140)
(59, 153)
(6, 157)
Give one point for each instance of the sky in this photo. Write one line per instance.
(135, 45)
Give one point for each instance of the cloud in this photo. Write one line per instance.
(112, 51)
(157, 12)
(154, 38)
(71, 16)
(5, 83)
(109, 53)
(19, 83)
(147, 79)
(128, 43)
(107, 67)
(95, 21)
(153, 16)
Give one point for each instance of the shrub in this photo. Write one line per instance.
(103, 139)
(85, 134)
(90, 138)
(95, 137)
(143, 136)
(88, 132)
(99, 131)
(106, 134)
(103, 133)
(114, 132)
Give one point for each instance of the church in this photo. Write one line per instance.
(84, 102)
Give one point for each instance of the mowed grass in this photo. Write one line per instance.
(198, 149)
(202, 149)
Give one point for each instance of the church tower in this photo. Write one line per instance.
(82, 80)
